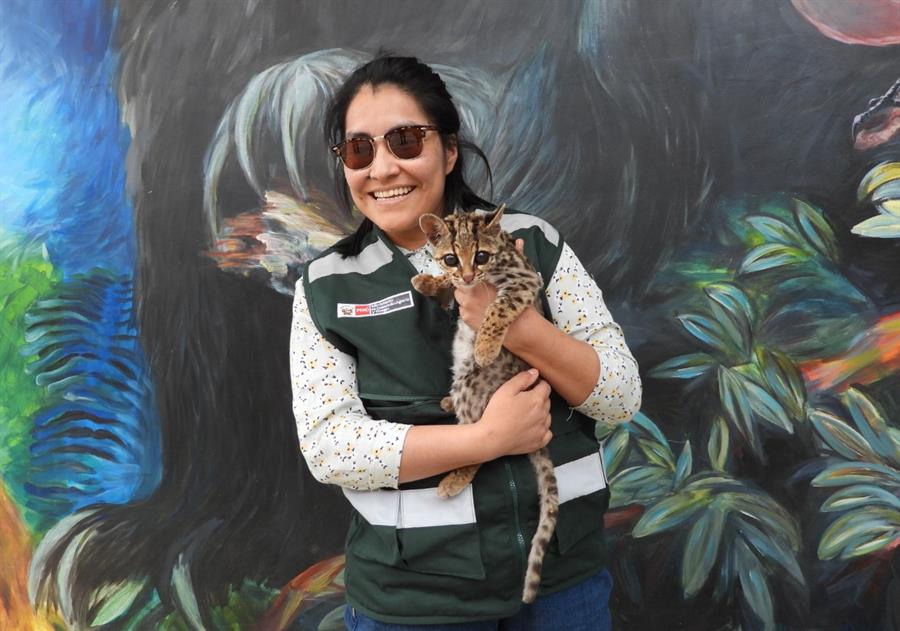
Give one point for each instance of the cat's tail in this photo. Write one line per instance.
(549, 509)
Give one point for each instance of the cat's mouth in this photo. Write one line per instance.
(398, 192)
(468, 285)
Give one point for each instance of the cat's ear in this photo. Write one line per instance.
(493, 224)
(433, 227)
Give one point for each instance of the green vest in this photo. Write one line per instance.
(413, 558)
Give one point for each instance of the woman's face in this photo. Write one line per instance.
(394, 193)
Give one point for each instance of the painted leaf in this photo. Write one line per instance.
(733, 299)
(684, 366)
(657, 453)
(632, 483)
(715, 483)
(843, 474)
(737, 334)
(754, 585)
(887, 196)
(641, 424)
(603, 431)
(706, 330)
(184, 593)
(734, 312)
(877, 177)
(762, 404)
(115, 600)
(771, 256)
(717, 447)
(670, 513)
(783, 380)
(872, 425)
(762, 509)
(879, 226)
(771, 546)
(852, 534)
(859, 496)
(701, 550)
(615, 450)
(815, 228)
(737, 409)
(842, 438)
(683, 467)
(774, 230)
(727, 573)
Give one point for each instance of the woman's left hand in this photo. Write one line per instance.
(474, 302)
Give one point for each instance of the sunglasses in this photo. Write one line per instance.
(404, 143)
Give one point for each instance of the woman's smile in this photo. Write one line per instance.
(392, 194)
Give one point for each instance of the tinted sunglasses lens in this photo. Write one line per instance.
(406, 142)
(357, 153)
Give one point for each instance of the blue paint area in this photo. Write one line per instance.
(62, 186)
(97, 440)
(62, 145)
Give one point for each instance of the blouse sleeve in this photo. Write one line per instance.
(341, 443)
(578, 309)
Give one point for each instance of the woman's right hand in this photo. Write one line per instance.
(516, 419)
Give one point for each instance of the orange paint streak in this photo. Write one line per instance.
(316, 580)
(875, 356)
(15, 554)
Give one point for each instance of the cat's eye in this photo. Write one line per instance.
(450, 260)
(482, 257)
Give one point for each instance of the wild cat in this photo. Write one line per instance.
(471, 248)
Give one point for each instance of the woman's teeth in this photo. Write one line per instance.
(394, 192)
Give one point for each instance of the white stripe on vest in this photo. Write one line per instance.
(372, 257)
(421, 508)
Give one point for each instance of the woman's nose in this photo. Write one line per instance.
(384, 164)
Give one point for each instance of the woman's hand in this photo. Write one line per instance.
(516, 419)
(474, 302)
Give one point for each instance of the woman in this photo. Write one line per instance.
(371, 361)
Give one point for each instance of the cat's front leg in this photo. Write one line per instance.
(430, 285)
(499, 315)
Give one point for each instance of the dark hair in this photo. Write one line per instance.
(428, 89)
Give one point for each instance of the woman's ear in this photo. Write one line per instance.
(451, 151)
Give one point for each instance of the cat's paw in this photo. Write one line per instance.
(451, 486)
(423, 283)
(486, 350)
(457, 480)
(447, 404)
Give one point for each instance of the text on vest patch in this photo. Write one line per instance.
(381, 307)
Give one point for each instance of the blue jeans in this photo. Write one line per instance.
(582, 607)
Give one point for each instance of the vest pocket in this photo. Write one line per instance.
(449, 550)
(580, 517)
(414, 529)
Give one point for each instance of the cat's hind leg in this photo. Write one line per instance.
(455, 481)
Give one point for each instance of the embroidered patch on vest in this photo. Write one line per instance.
(384, 306)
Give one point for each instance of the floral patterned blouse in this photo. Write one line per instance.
(343, 445)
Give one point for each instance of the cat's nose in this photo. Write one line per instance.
(468, 277)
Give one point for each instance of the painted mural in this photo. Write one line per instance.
(728, 171)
